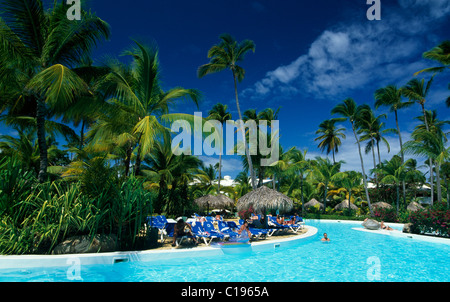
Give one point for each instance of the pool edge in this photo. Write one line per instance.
(36, 261)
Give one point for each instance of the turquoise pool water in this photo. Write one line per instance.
(351, 255)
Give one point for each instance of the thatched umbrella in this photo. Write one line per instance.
(225, 201)
(381, 204)
(344, 205)
(210, 201)
(263, 199)
(312, 203)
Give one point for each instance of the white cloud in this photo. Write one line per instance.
(354, 55)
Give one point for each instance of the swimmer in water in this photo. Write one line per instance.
(325, 237)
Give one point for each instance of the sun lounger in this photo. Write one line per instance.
(209, 227)
(275, 225)
(226, 230)
(199, 232)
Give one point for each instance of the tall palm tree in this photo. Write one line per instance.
(371, 130)
(219, 113)
(330, 136)
(39, 47)
(226, 55)
(136, 91)
(351, 111)
(416, 90)
(391, 96)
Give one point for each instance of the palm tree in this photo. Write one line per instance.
(330, 136)
(390, 96)
(393, 171)
(226, 55)
(350, 181)
(137, 93)
(372, 131)
(323, 172)
(300, 165)
(417, 91)
(39, 47)
(430, 143)
(219, 113)
(441, 54)
(171, 174)
(349, 110)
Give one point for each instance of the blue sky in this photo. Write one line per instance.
(310, 55)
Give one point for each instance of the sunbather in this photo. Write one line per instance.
(244, 227)
(181, 229)
(385, 227)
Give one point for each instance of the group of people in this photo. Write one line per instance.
(183, 228)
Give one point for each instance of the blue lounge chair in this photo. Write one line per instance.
(299, 223)
(153, 221)
(258, 233)
(226, 230)
(199, 232)
(274, 224)
(209, 227)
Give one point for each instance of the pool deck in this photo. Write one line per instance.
(35, 261)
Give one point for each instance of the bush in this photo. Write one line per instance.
(388, 215)
(435, 220)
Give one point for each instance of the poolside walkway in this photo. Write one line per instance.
(189, 245)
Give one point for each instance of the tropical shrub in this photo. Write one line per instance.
(384, 214)
(435, 220)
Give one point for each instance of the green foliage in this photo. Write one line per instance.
(36, 217)
(435, 220)
(384, 214)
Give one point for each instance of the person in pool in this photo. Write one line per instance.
(325, 237)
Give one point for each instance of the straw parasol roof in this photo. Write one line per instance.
(210, 201)
(225, 201)
(264, 198)
(344, 205)
(381, 204)
(312, 203)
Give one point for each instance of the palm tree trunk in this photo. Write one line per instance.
(43, 157)
(363, 170)
(402, 155)
(82, 134)
(430, 160)
(438, 182)
(398, 197)
(220, 171)
(128, 160)
(374, 161)
(301, 192)
(247, 151)
(448, 193)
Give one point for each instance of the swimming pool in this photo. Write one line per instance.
(351, 255)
